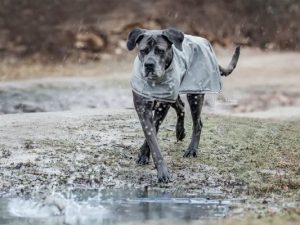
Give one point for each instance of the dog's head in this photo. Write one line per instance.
(155, 49)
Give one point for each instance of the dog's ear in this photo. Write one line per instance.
(134, 37)
(174, 36)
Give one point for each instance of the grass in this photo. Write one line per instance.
(249, 159)
(260, 156)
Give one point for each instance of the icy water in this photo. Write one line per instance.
(109, 207)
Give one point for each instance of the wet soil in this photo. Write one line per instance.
(42, 152)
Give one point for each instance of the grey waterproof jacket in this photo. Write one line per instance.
(193, 70)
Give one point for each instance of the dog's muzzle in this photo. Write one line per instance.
(151, 72)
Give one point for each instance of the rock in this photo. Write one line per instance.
(89, 41)
(28, 108)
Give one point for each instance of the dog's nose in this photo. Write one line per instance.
(149, 67)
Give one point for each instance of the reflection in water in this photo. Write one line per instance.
(94, 207)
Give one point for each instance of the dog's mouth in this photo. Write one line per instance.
(151, 75)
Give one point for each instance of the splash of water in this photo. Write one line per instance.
(56, 205)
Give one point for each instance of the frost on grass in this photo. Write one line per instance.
(237, 156)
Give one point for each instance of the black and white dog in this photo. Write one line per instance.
(170, 63)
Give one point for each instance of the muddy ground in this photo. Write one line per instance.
(53, 148)
(80, 131)
(254, 162)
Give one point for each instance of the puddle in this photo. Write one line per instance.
(109, 207)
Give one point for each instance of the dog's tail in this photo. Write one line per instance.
(226, 71)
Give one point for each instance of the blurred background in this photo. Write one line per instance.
(71, 54)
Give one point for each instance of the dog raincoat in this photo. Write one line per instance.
(194, 70)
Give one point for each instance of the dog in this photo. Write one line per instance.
(170, 63)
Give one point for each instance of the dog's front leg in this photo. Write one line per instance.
(160, 112)
(144, 110)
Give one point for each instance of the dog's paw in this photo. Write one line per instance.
(190, 152)
(180, 133)
(144, 155)
(163, 174)
(143, 159)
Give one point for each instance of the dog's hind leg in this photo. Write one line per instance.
(196, 103)
(179, 108)
(160, 112)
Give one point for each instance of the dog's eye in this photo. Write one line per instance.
(159, 51)
(144, 51)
